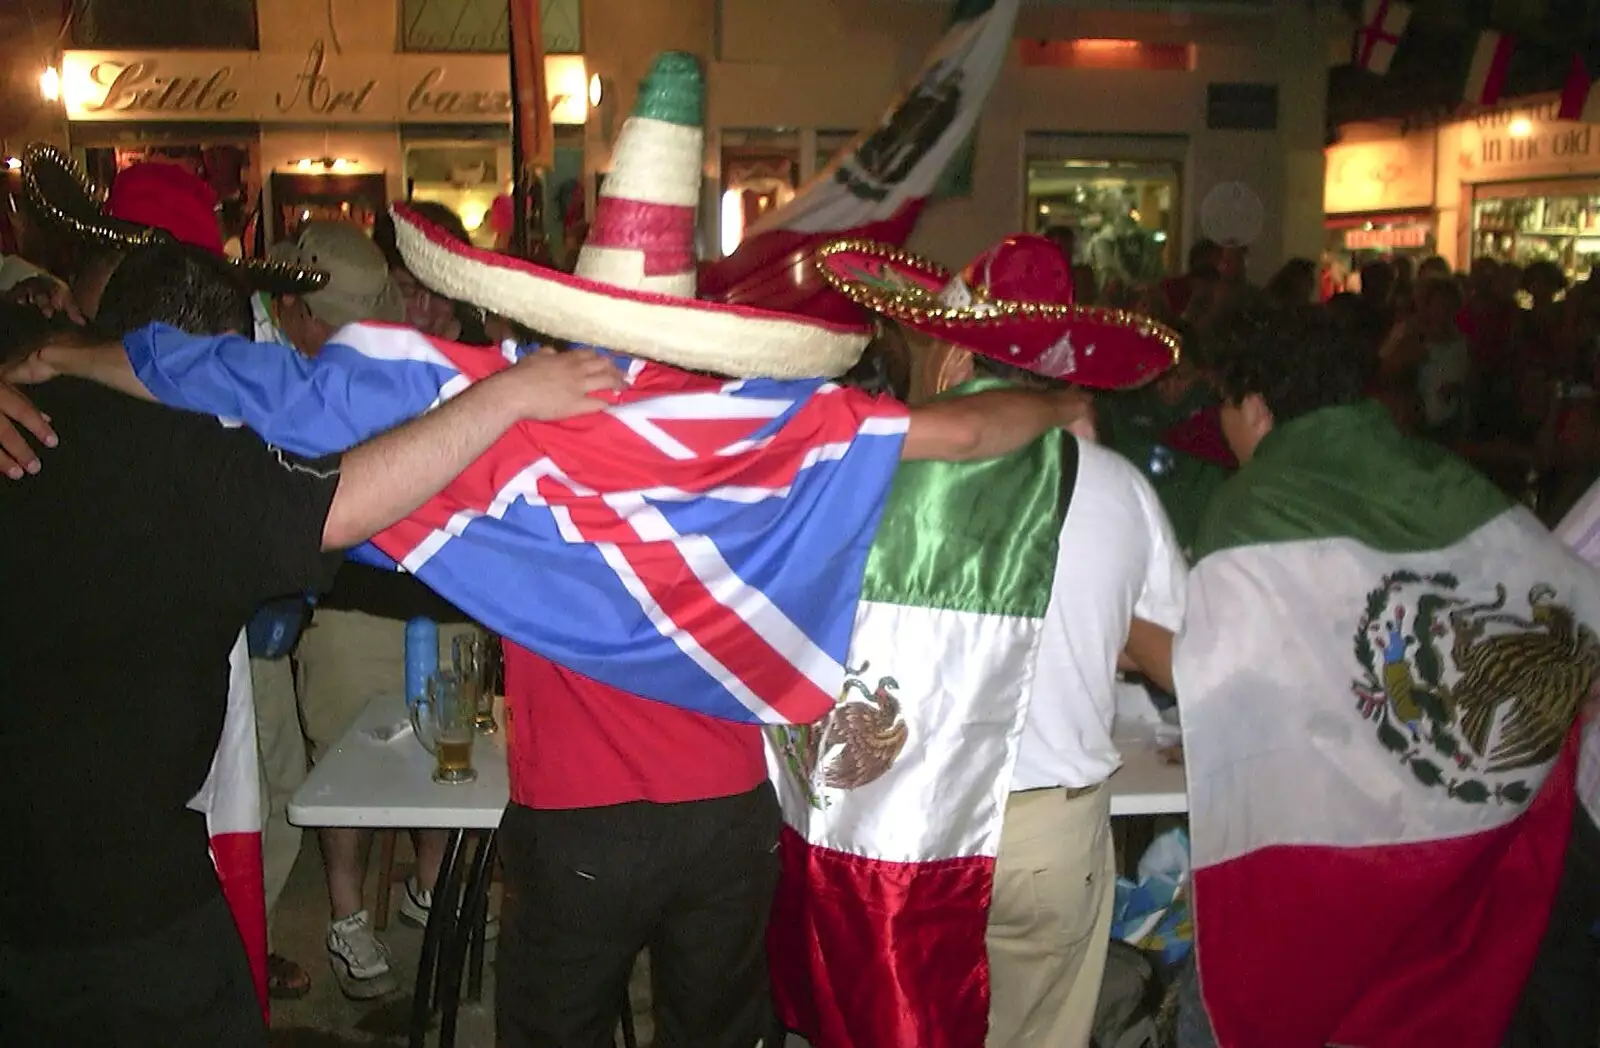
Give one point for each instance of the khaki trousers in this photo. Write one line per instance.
(282, 748)
(348, 658)
(1050, 922)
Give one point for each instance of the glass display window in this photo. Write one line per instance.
(1557, 221)
(1123, 213)
(760, 172)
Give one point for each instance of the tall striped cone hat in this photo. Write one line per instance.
(633, 289)
(643, 232)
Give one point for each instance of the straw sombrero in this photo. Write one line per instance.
(149, 203)
(634, 286)
(1013, 303)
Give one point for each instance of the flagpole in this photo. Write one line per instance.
(529, 130)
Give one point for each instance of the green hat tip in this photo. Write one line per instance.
(674, 91)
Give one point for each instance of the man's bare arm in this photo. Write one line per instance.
(390, 475)
(97, 360)
(1149, 648)
(995, 422)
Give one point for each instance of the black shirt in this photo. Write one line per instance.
(388, 595)
(127, 567)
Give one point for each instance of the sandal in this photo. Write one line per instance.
(286, 980)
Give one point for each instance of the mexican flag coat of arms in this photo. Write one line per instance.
(1379, 677)
(893, 803)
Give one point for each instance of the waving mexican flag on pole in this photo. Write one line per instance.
(893, 803)
(1379, 674)
(876, 187)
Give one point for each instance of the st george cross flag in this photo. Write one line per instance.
(1580, 95)
(876, 186)
(1378, 677)
(230, 799)
(700, 543)
(893, 804)
(1383, 23)
(1486, 73)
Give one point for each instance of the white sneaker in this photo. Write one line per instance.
(359, 959)
(416, 901)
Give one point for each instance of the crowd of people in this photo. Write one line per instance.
(1499, 363)
(692, 532)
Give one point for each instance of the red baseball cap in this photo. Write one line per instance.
(168, 197)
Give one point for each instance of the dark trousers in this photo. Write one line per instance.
(587, 888)
(185, 986)
(1560, 1006)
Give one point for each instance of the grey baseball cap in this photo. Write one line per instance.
(358, 288)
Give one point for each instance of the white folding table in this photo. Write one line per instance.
(378, 776)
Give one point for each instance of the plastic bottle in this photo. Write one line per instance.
(422, 656)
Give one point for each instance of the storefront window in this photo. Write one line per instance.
(465, 178)
(483, 25)
(1539, 222)
(760, 172)
(111, 25)
(1123, 214)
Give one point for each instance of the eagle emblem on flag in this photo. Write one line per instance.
(1467, 693)
(853, 746)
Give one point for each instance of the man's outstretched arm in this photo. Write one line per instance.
(389, 476)
(995, 422)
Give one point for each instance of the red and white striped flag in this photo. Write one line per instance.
(875, 187)
(1383, 22)
(231, 802)
(1580, 98)
(1486, 76)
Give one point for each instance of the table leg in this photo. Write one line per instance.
(474, 903)
(441, 916)
(475, 958)
(630, 1039)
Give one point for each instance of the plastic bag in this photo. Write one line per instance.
(1153, 913)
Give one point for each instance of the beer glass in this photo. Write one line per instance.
(473, 655)
(443, 720)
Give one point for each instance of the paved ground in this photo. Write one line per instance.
(325, 1019)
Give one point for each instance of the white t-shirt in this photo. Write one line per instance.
(1580, 530)
(1118, 559)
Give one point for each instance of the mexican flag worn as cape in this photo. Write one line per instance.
(893, 803)
(230, 799)
(1378, 677)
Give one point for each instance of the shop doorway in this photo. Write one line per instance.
(298, 199)
(1120, 196)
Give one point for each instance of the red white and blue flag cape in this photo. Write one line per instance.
(876, 187)
(700, 543)
(231, 803)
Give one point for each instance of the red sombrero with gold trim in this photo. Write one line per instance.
(1013, 304)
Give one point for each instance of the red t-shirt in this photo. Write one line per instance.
(576, 743)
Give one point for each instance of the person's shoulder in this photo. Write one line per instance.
(1104, 469)
(1115, 487)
